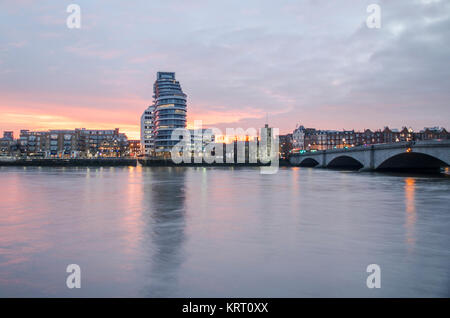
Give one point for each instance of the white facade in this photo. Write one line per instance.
(298, 137)
(199, 140)
(147, 131)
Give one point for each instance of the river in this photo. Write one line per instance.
(222, 232)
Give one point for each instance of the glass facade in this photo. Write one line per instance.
(170, 112)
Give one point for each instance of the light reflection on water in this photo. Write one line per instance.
(219, 232)
(410, 211)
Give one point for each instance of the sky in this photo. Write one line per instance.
(313, 63)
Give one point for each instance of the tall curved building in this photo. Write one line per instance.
(170, 112)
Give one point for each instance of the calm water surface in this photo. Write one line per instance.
(221, 232)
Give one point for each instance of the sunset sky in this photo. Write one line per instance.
(308, 62)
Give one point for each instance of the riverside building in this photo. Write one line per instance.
(77, 143)
(170, 112)
(147, 131)
(314, 139)
(7, 143)
(159, 120)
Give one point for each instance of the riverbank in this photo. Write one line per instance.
(164, 163)
(104, 162)
(107, 162)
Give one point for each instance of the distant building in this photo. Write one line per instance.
(147, 131)
(286, 145)
(102, 143)
(78, 143)
(7, 144)
(200, 140)
(5, 147)
(134, 148)
(268, 133)
(9, 135)
(44, 143)
(313, 139)
(298, 137)
(302, 137)
(434, 133)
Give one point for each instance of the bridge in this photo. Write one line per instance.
(414, 155)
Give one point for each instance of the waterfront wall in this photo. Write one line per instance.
(106, 162)
(169, 162)
(103, 162)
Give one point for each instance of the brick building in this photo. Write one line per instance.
(313, 139)
(78, 143)
(7, 144)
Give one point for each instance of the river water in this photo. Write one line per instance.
(222, 232)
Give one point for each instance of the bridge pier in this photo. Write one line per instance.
(369, 160)
(323, 164)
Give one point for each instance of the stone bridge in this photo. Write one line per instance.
(430, 154)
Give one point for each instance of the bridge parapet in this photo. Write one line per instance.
(418, 154)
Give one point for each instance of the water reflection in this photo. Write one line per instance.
(194, 232)
(166, 228)
(410, 212)
(132, 209)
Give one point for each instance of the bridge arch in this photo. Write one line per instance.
(308, 162)
(345, 161)
(411, 161)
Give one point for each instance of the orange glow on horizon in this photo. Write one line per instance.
(58, 111)
(228, 139)
(23, 112)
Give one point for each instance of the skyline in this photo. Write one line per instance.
(323, 68)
